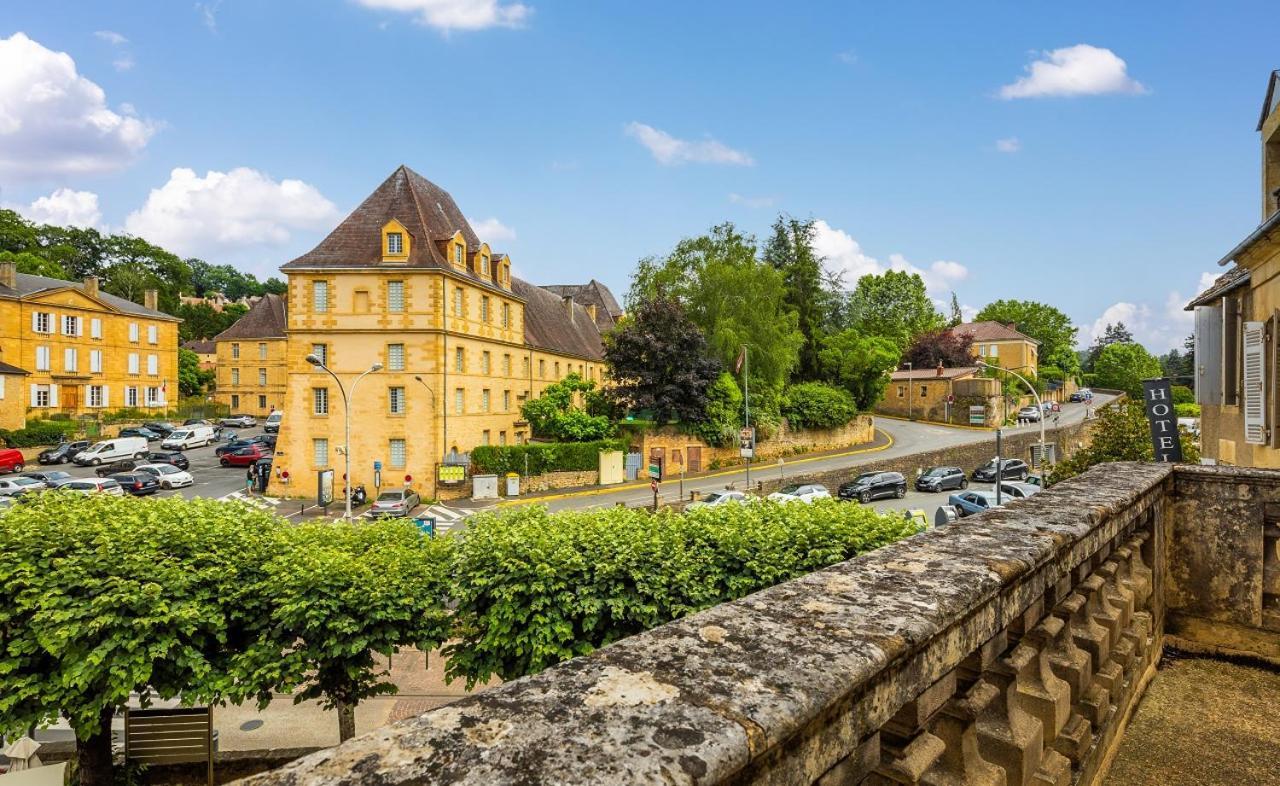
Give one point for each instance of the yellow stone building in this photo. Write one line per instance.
(405, 282)
(1002, 345)
(68, 347)
(1236, 321)
(251, 355)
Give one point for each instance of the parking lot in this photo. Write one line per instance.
(211, 479)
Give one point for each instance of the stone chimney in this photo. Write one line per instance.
(568, 307)
(91, 286)
(151, 299)
(9, 274)
(939, 368)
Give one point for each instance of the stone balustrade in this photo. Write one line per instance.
(1005, 650)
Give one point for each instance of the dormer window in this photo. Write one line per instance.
(458, 255)
(484, 265)
(395, 243)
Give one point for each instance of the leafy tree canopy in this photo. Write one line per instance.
(1123, 367)
(192, 380)
(808, 292)
(1122, 433)
(860, 364)
(939, 347)
(818, 405)
(560, 412)
(893, 305)
(1111, 334)
(1046, 324)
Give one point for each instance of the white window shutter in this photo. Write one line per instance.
(35, 322)
(53, 395)
(34, 390)
(1255, 382)
(106, 396)
(95, 328)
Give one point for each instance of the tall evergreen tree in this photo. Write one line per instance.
(1111, 334)
(806, 291)
(957, 315)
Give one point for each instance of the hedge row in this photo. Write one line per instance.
(536, 458)
(38, 433)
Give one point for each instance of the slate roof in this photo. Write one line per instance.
(547, 325)
(926, 374)
(201, 347)
(9, 368)
(1232, 279)
(27, 285)
(592, 293)
(990, 331)
(265, 319)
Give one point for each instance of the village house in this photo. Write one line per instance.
(250, 367)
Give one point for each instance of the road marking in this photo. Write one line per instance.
(265, 503)
(446, 517)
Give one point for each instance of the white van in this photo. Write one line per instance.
(188, 437)
(272, 426)
(112, 450)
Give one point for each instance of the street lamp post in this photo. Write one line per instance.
(1039, 408)
(346, 417)
(434, 411)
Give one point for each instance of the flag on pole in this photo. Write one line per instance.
(742, 357)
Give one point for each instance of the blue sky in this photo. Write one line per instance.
(1097, 156)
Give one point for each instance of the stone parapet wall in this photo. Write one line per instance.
(676, 446)
(1006, 649)
(551, 481)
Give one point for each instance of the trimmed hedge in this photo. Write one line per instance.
(541, 457)
(38, 433)
(815, 405)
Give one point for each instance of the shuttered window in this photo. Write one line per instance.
(1208, 355)
(1254, 393)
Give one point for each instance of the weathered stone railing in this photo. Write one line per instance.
(1006, 649)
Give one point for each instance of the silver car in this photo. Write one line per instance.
(18, 485)
(238, 421)
(397, 504)
(717, 498)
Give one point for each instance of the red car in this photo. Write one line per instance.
(244, 456)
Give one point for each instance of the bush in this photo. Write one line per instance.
(815, 405)
(1122, 433)
(38, 433)
(719, 427)
(536, 458)
(1183, 395)
(1189, 410)
(533, 588)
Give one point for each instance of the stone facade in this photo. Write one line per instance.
(684, 452)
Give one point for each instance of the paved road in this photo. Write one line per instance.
(908, 438)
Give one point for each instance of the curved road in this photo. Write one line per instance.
(908, 438)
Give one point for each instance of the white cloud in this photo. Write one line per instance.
(670, 151)
(492, 231)
(123, 62)
(54, 121)
(1159, 329)
(447, 15)
(111, 37)
(225, 211)
(843, 255)
(756, 202)
(64, 207)
(1008, 145)
(209, 14)
(1074, 71)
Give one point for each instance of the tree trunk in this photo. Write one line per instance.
(346, 722)
(93, 754)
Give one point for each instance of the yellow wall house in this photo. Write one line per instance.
(1002, 345)
(1236, 321)
(206, 351)
(251, 360)
(80, 350)
(405, 282)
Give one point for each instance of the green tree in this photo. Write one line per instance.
(192, 380)
(806, 289)
(1121, 433)
(859, 363)
(1123, 367)
(818, 405)
(722, 418)
(557, 413)
(659, 361)
(1044, 323)
(341, 593)
(893, 305)
(34, 264)
(957, 314)
(939, 348)
(105, 597)
(734, 298)
(1111, 334)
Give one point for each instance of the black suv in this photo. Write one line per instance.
(137, 483)
(116, 468)
(140, 431)
(63, 452)
(874, 485)
(942, 479)
(176, 459)
(1012, 469)
(163, 429)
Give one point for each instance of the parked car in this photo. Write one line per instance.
(942, 479)
(178, 460)
(1019, 490)
(801, 492)
(112, 450)
(874, 485)
(239, 421)
(233, 446)
(717, 498)
(397, 503)
(244, 456)
(1035, 480)
(117, 467)
(140, 431)
(198, 422)
(1011, 469)
(268, 440)
(137, 483)
(161, 427)
(1030, 413)
(11, 460)
(49, 477)
(62, 453)
(169, 476)
(272, 426)
(968, 503)
(195, 436)
(6, 503)
(92, 486)
(18, 485)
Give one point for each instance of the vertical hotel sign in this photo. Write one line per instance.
(1157, 394)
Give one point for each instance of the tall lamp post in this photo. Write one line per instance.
(346, 417)
(434, 410)
(1039, 408)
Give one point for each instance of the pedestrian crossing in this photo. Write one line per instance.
(446, 517)
(263, 503)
